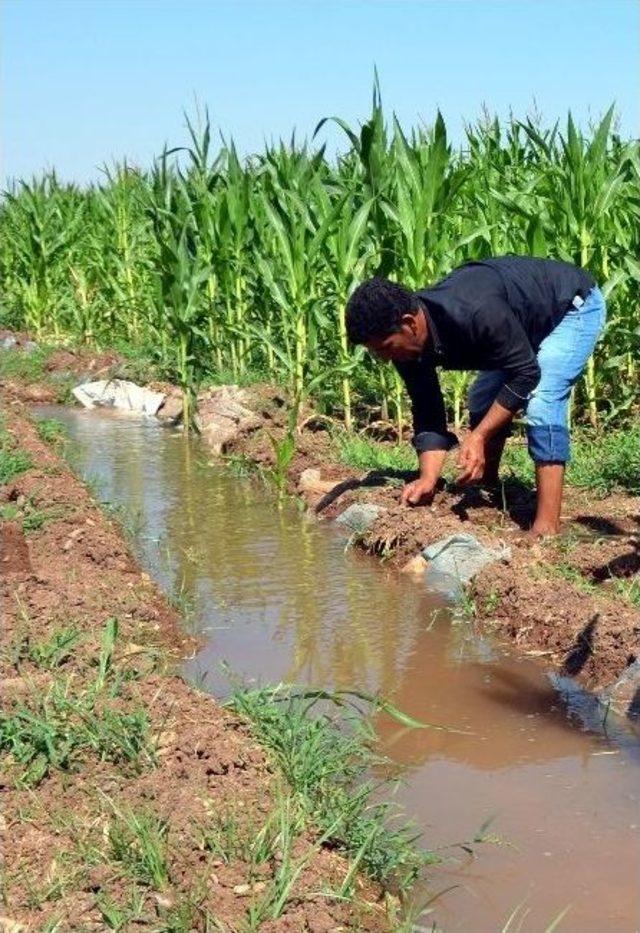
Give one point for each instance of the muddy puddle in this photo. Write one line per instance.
(276, 597)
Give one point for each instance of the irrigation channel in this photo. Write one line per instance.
(276, 597)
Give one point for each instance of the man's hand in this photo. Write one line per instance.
(420, 492)
(471, 458)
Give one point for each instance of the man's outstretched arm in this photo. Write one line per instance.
(432, 439)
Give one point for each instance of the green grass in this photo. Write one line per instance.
(46, 654)
(13, 461)
(572, 575)
(27, 366)
(233, 836)
(32, 518)
(324, 759)
(31, 368)
(138, 363)
(249, 377)
(629, 590)
(59, 728)
(602, 463)
(52, 431)
(138, 841)
(120, 916)
(365, 454)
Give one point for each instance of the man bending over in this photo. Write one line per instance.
(528, 325)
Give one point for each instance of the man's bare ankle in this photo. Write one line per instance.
(544, 529)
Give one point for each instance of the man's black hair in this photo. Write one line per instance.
(376, 309)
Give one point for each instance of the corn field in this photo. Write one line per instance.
(226, 269)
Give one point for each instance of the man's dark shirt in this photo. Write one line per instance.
(492, 314)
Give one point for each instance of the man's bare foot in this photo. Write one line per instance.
(538, 531)
(535, 535)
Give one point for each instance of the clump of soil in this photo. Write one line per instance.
(155, 837)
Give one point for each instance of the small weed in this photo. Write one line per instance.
(119, 916)
(62, 728)
(52, 925)
(13, 461)
(35, 519)
(234, 837)
(252, 375)
(491, 603)
(29, 366)
(61, 876)
(226, 837)
(629, 590)
(181, 918)
(52, 431)
(139, 366)
(130, 520)
(64, 384)
(284, 451)
(572, 575)
(241, 466)
(107, 647)
(183, 602)
(466, 609)
(32, 518)
(189, 915)
(139, 842)
(48, 654)
(288, 825)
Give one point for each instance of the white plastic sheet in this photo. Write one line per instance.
(120, 394)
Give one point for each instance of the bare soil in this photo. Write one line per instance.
(76, 570)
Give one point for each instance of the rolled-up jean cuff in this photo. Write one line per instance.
(475, 417)
(548, 443)
(433, 440)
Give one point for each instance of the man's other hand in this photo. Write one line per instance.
(471, 459)
(419, 492)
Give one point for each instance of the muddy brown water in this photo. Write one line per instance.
(276, 597)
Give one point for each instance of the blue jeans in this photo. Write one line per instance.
(562, 357)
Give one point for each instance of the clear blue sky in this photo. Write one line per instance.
(87, 81)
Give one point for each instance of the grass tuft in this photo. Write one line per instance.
(139, 842)
(47, 654)
(365, 454)
(325, 761)
(52, 431)
(13, 461)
